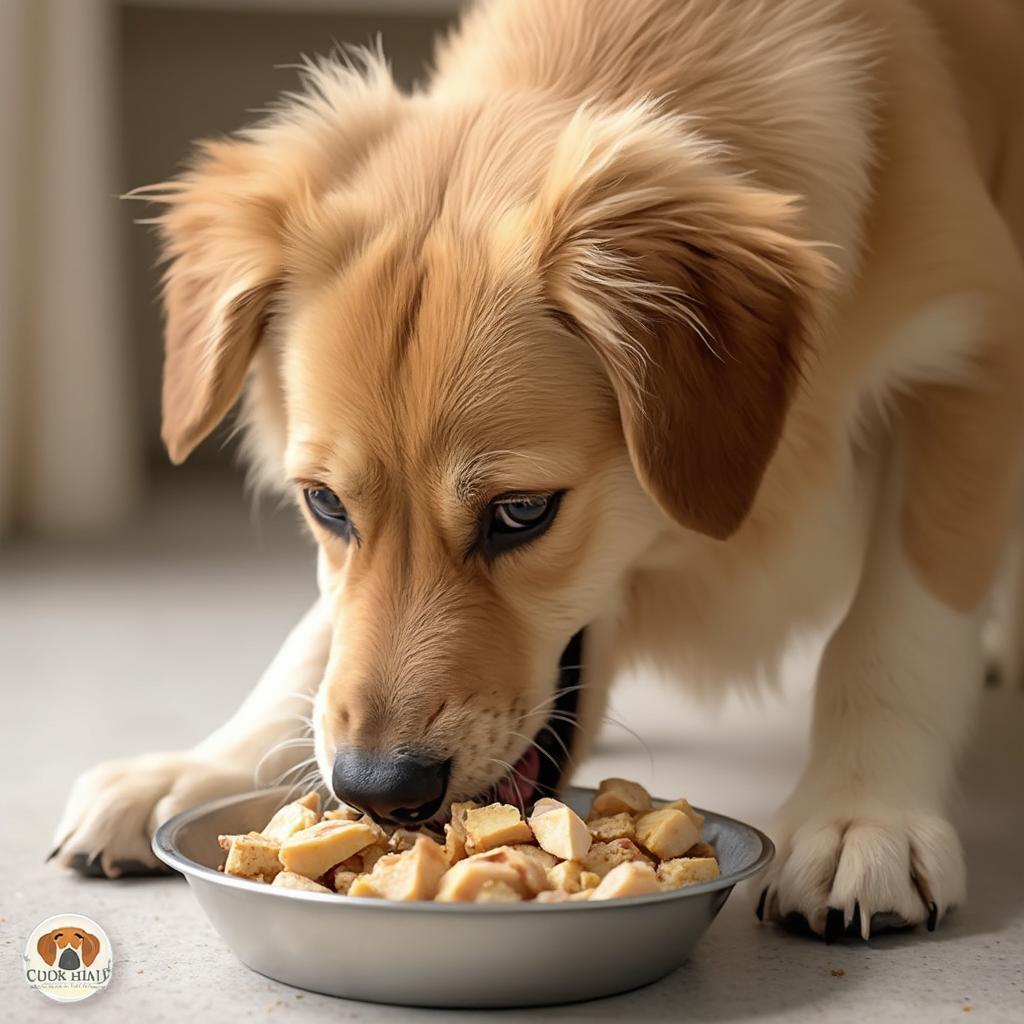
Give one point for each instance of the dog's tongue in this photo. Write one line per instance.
(517, 787)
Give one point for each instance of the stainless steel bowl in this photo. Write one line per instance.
(432, 954)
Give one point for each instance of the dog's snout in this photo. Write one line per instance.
(396, 788)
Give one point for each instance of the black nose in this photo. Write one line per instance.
(398, 788)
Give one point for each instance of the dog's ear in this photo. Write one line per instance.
(226, 230)
(694, 292)
(90, 948)
(46, 947)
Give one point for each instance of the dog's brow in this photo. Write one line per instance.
(466, 483)
(483, 472)
(364, 488)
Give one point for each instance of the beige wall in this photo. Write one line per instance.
(191, 73)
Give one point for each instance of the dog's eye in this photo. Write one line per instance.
(326, 506)
(512, 521)
(520, 514)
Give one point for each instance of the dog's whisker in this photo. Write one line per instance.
(302, 765)
(565, 716)
(279, 748)
(510, 770)
(560, 741)
(540, 749)
(309, 781)
(300, 768)
(552, 697)
(612, 720)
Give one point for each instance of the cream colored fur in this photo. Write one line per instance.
(834, 188)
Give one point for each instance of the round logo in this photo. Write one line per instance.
(68, 958)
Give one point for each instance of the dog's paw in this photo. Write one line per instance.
(870, 869)
(115, 807)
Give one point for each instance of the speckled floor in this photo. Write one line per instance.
(108, 650)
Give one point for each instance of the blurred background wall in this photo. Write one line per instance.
(97, 97)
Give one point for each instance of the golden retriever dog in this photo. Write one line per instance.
(654, 332)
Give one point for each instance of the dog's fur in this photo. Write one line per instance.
(743, 278)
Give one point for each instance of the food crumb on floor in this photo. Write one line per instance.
(838, 972)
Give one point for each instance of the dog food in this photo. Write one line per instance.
(626, 846)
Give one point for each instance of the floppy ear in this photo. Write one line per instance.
(47, 948)
(90, 948)
(696, 295)
(226, 230)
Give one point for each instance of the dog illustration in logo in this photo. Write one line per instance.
(79, 947)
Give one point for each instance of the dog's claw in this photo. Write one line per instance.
(53, 853)
(89, 866)
(760, 904)
(796, 922)
(834, 924)
(933, 916)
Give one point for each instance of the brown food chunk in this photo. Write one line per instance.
(542, 857)
(530, 873)
(312, 851)
(552, 896)
(464, 880)
(700, 849)
(617, 795)
(373, 853)
(362, 886)
(291, 818)
(310, 800)
(680, 871)
(566, 876)
(630, 879)
(251, 855)
(454, 845)
(667, 832)
(493, 826)
(497, 892)
(561, 896)
(412, 875)
(342, 814)
(340, 878)
(602, 857)
(290, 880)
(560, 830)
(615, 826)
(402, 839)
(684, 805)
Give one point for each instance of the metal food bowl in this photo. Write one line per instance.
(449, 954)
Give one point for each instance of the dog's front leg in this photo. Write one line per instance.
(114, 807)
(864, 842)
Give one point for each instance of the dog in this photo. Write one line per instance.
(651, 333)
(80, 947)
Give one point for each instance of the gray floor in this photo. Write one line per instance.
(108, 650)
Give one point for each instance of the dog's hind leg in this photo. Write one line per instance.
(115, 807)
(1004, 628)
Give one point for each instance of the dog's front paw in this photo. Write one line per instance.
(115, 807)
(862, 869)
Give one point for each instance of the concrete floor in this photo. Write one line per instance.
(113, 649)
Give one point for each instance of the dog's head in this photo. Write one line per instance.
(86, 945)
(495, 354)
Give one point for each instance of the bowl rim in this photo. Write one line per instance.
(165, 847)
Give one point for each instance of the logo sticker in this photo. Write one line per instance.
(68, 958)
